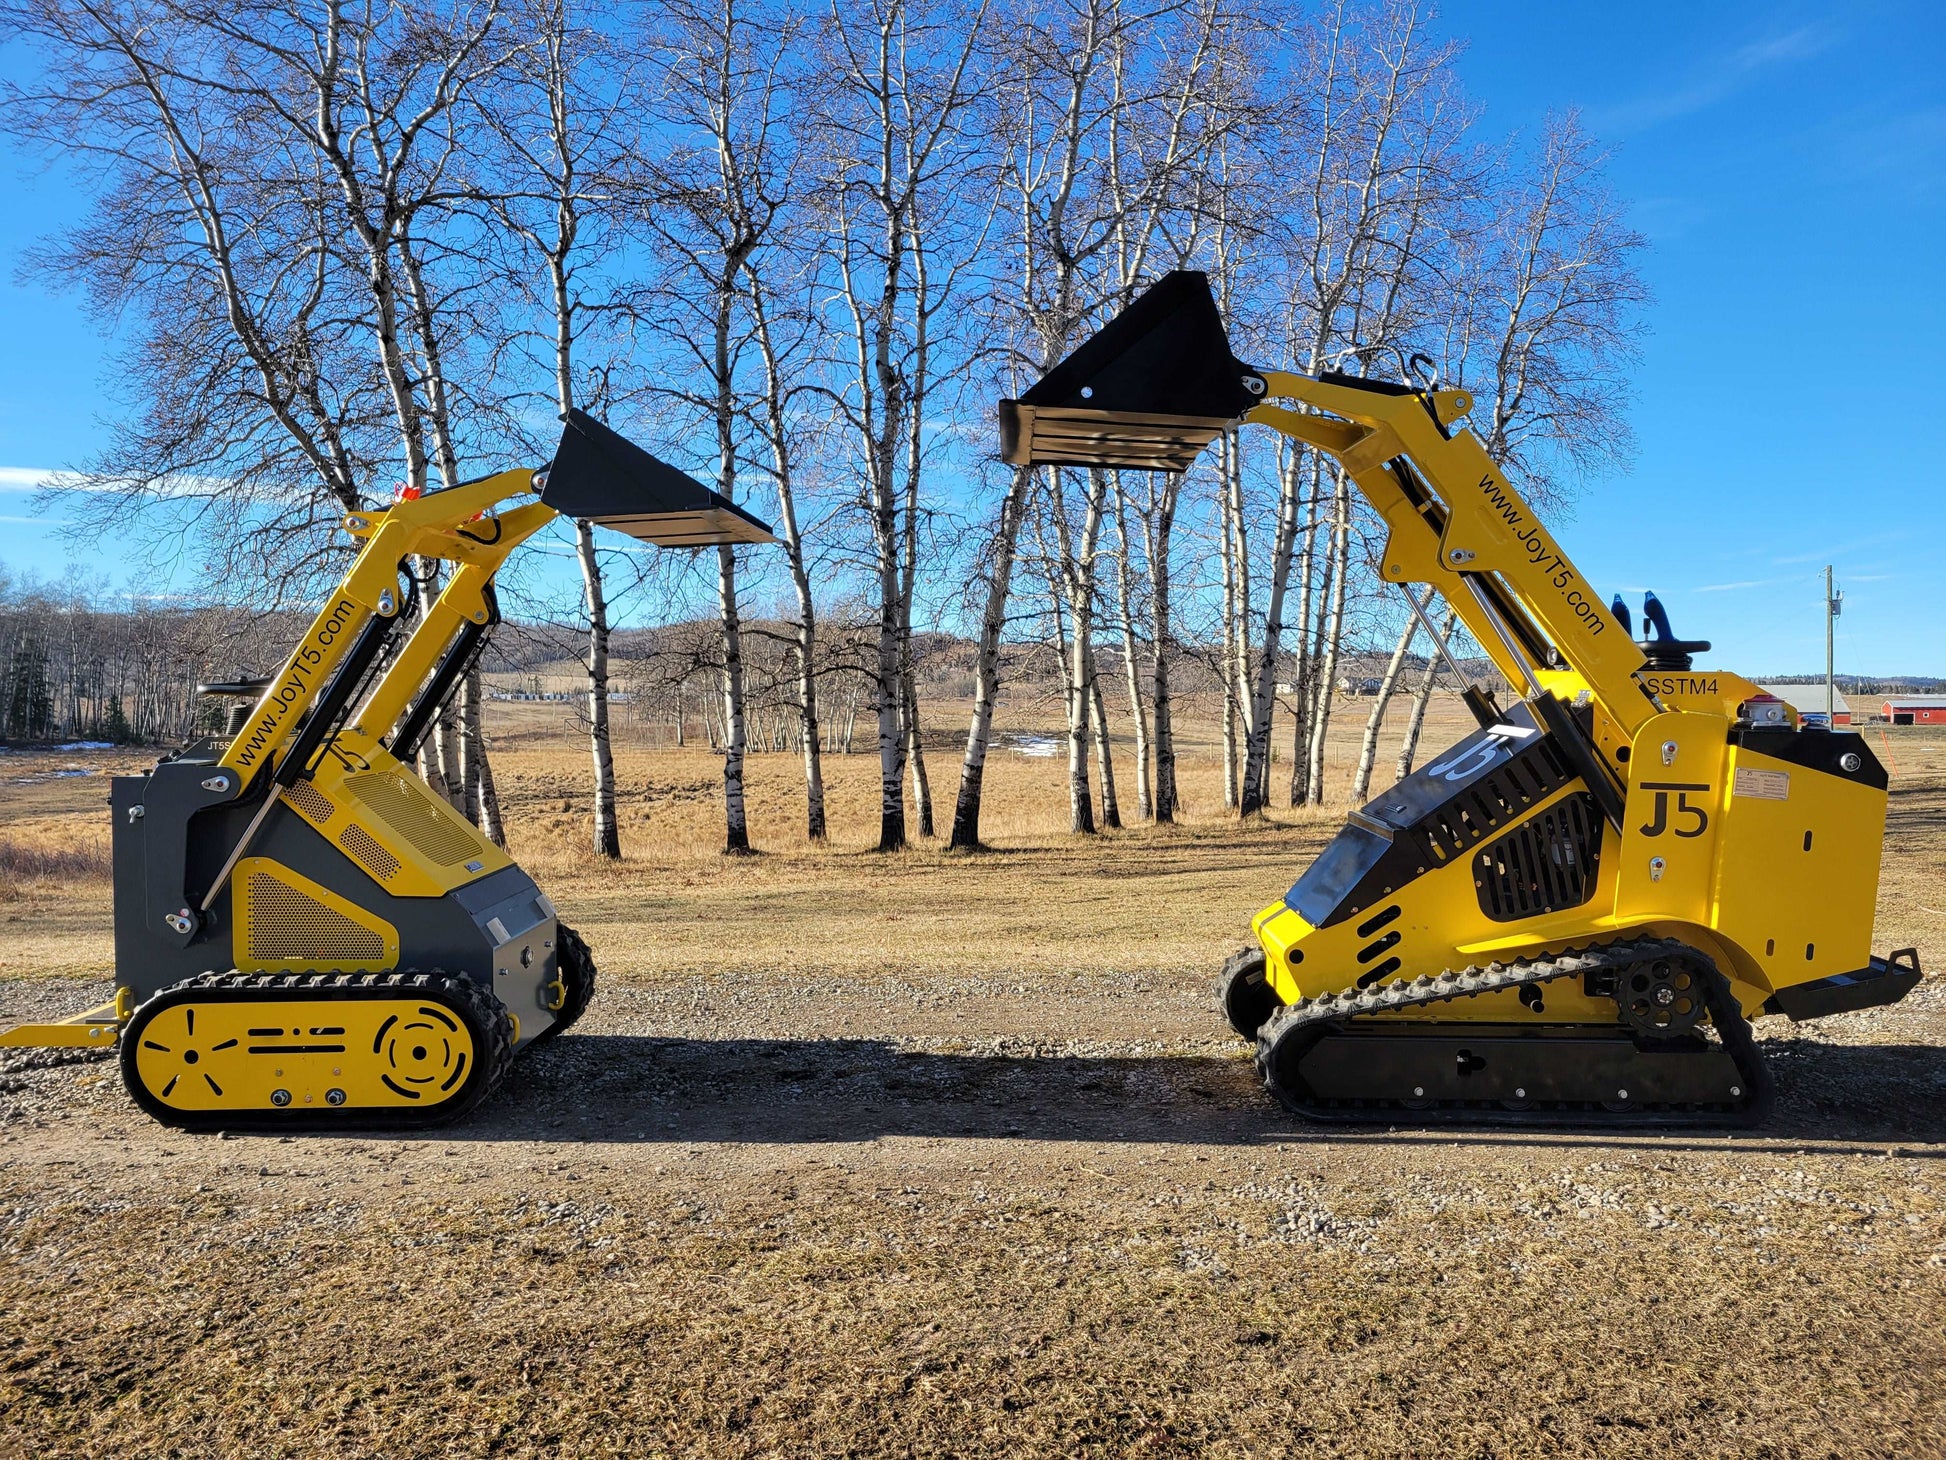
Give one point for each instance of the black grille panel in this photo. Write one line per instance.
(1493, 801)
(1545, 864)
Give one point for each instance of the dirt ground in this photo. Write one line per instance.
(936, 1155)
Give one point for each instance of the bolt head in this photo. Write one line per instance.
(280, 1098)
(1736, 1090)
(1621, 1094)
(1418, 1089)
(1520, 1092)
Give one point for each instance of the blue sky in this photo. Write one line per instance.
(1788, 163)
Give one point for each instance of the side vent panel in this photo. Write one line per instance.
(435, 831)
(312, 803)
(1545, 864)
(286, 923)
(1493, 801)
(364, 849)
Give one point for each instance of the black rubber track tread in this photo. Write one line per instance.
(1245, 992)
(483, 1012)
(576, 966)
(1310, 1020)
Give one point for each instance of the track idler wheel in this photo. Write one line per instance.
(1248, 998)
(574, 966)
(1283, 1041)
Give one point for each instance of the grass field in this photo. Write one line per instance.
(932, 1154)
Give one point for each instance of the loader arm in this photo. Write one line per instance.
(1457, 524)
(596, 474)
(1158, 383)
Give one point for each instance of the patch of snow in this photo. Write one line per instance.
(1035, 745)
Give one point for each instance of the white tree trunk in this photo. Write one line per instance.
(986, 665)
(608, 836)
(1368, 749)
(736, 824)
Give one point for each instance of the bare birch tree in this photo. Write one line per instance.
(568, 134)
(710, 202)
(893, 148)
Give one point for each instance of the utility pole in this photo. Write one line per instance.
(1834, 604)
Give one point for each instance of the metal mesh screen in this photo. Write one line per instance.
(399, 802)
(309, 800)
(287, 924)
(365, 850)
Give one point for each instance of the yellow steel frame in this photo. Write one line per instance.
(457, 526)
(460, 526)
(358, 1054)
(94, 1028)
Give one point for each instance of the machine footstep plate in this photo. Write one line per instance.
(321, 1051)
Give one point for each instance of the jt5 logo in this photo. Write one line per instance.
(1696, 817)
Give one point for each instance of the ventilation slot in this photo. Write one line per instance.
(1490, 803)
(287, 925)
(365, 850)
(1373, 949)
(313, 803)
(1543, 865)
(1378, 920)
(399, 802)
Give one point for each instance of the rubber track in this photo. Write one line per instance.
(1311, 1020)
(495, 1060)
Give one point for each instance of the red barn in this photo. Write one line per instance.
(1916, 709)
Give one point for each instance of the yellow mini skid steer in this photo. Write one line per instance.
(306, 936)
(1574, 912)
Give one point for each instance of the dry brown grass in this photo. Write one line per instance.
(19, 863)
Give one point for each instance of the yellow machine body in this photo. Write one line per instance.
(1771, 868)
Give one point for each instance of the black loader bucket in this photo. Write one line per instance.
(609, 480)
(1149, 390)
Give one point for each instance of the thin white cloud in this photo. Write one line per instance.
(37, 521)
(1828, 554)
(1904, 151)
(1733, 587)
(38, 478)
(1721, 79)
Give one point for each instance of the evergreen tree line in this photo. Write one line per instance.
(87, 665)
